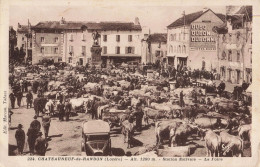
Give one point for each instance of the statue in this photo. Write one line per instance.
(95, 36)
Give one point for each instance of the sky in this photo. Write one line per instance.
(156, 18)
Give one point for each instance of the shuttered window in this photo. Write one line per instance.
(104, 50)
(130, 38)
(117, 50)
(118, 38)
(104, 38)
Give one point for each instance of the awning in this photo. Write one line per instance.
(121, 55)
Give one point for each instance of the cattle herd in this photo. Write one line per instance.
(131, 100)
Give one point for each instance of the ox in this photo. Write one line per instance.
(212, 143)
(230, 143)
(128, 132)
(243, 131)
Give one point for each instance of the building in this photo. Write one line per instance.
(155, 48)
(24, 39)
(12, 41)
(192, 42)
(71, 42)
(235, 47)
(120, 41)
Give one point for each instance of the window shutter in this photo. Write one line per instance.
(116, 50)
(133, 50)
(126, 50)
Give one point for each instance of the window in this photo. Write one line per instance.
(230, 55)
(157, 53)
(42, 39)
(104, 38)
(42, 49)
(71, 50)
(83, 37)
(117, 50)
(118, 38)
(129, 50)
(56, 50)
(70, 60)
(59, 59)
(171, 49)
(30, 45)
(171, 37)
(179, 49)
(22, 38)
(22, 45)
(56, 39)
(223, 55)
(238, 56)
(130, 38)
(83, 50)
(104, 50)
(71, 37)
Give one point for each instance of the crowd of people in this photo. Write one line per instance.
(56, 100)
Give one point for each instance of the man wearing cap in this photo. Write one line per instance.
(40, 145)
(29, 99)
(20, 138)
(35, 123)
(67, 109)
(46, 122)
(12, 99)
(36, 104)
(19, 97)
(32, 135)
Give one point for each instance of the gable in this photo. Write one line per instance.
(209, 16)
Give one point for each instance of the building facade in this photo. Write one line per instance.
(235, 48)
(191, 41)
(71, 42)
(24, 39)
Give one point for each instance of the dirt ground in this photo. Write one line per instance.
(65, 137)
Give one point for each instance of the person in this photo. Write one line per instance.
(41, 145)
(93, 109)
(32, 135)
(35, 123)
(67, 109)
(244, 85)
(46, 123)
(49, 106)
(61, 109)
(29, 99)
(19, 97)
(12, 99)
(181, 99)
(20, 138)
(10, 113)
(36, 104)
(139, 116)
(209, 102)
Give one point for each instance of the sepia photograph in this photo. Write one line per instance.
(157, 83)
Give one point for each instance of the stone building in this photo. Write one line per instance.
(235, 47)
(70, 41)
(191, 41)
(24, 39)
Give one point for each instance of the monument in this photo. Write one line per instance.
(96, 51)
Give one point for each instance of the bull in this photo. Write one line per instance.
(231, 143)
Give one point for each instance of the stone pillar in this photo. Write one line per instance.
(96, 56)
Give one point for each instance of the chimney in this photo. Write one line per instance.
(62, 21)
(137, 21)
(205, 9)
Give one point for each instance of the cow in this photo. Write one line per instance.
(243, 131)
(180, 134)
(231, 143)
(162, 130)
(212, 143)
(153, 114)
(128, 132)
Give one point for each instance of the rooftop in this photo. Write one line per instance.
(158, 37)
(72, 25)
(22, 28)
(189, 18)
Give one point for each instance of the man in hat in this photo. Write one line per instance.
(32, 135)
(36, 104)
(61, 109)
(181, 99)
(19, 97)
(93, 108)
(20, 138)
(68, 108)
(35, 123)
(29, 99)
(12, 99)
(46, 123)
(41, 145)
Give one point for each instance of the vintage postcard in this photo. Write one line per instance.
(129, 83)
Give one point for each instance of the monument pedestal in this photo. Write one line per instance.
(96, 56)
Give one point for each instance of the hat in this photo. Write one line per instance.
(20, 125)
(35, 117)
(39, 133)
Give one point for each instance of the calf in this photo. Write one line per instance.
(212, 143)
(243, 131)
(162, 130)
(230, 143)
(128, 131)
